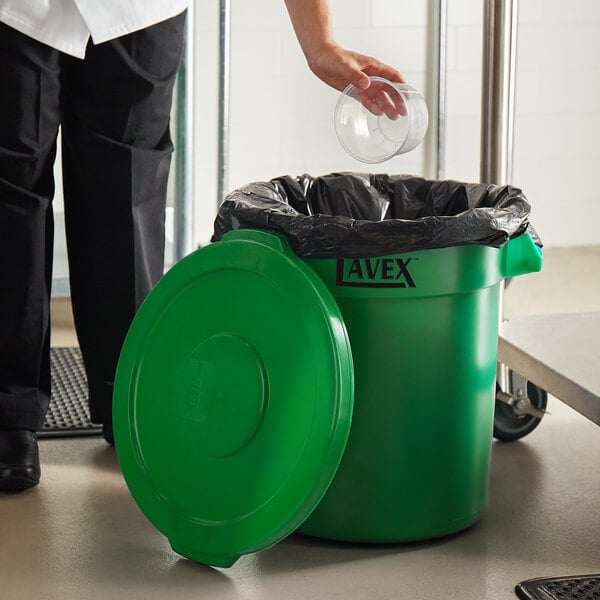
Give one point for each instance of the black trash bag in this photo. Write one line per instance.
(350, 215)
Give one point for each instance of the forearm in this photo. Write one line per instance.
(311, 20)
(331, 63)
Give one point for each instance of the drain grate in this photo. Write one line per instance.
(583, 587)
(68, 414)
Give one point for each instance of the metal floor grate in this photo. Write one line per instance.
(583, 587)
(68, 414)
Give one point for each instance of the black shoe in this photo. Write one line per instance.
(107, 432)
(19, 460)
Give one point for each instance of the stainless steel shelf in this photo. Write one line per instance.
(558, 353)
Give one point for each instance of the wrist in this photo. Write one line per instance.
(315, 51)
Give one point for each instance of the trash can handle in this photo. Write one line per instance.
(521, 255)
(272, 240)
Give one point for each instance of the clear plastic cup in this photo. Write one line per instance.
(385, 120)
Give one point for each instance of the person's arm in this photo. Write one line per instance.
(331, 63)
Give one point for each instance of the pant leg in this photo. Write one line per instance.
(116, 155)
(29, 120)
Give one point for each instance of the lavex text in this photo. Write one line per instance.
(374, 272)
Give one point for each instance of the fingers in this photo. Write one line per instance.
(380, 98)
(375, 68)
(361, 80)
(395, 105)
(381, 70)
(371, 104)
(339, 67)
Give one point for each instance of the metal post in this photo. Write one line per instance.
(440, 29)
(498, 93)
(435, 91)
(497, 114)
(224, 84)
(183, 235)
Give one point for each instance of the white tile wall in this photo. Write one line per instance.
(281, 115)
(394, 13)
(574, 11)
(557, 105)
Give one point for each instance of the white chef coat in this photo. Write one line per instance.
(68, 24)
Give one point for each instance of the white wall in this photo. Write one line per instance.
(557, 154)
(281, 115)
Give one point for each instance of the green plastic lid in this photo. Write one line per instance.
(233, 398)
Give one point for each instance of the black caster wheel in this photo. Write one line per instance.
(509, 426)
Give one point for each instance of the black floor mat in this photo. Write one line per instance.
(68, 414)
(581, 587)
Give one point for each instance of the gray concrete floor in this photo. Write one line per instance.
(79, 534)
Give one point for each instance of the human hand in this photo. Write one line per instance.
(338, 67)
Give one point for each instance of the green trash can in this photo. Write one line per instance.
(423, 328)
(352, 397)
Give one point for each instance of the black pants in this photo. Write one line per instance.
(114, 109)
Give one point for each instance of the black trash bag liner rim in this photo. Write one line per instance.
(486, 214)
